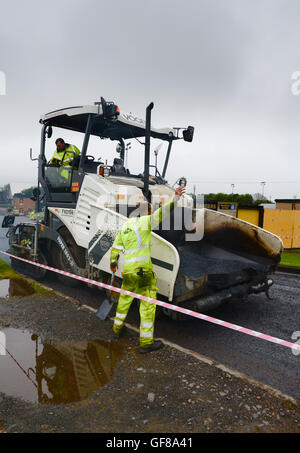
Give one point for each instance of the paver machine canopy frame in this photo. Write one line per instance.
(105, 120)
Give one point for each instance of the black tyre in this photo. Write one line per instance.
(59, 261)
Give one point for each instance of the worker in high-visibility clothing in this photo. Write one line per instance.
(138, 276)
(64, 154)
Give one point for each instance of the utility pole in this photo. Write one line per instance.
(263, 183)
(232, 187)
(155, 153)
(194, 197)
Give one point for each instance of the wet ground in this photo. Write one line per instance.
(49, 372)
(63, 371)
(10, 287)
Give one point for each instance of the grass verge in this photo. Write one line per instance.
(291, 259)
(7, 272)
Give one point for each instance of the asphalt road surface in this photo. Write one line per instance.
(269, 363)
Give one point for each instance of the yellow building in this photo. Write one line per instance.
(251, 214)
(287, 203)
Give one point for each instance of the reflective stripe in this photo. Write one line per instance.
(118, 323)
(138, 236)
(151, 219)
(146, 334)
(157, 215)
(58, 157)
(147, 324)
(120, 315)
(64, 154)
(128, 252)
(138, 258)
(118, 247)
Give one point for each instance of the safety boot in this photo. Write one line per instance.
(120, 333)
(153, 347)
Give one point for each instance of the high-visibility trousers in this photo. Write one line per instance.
(144, 285)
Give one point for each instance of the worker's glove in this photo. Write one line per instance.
(54, 162)
(179, 192)
(114, 267)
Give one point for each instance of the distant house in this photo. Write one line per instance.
(23, 204)
(287, 203)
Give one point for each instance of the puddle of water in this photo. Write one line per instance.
(15, 287)
(55, 373)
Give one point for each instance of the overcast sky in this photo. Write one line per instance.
(223, 66)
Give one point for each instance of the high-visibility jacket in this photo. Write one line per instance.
(134, 240)
(65, 158)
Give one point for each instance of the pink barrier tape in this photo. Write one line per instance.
(185, 311)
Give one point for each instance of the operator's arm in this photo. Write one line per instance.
(76, 157)
(116, 249)
(76, 150)
(156, 218)
(55, 159)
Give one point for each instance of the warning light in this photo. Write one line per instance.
(75, 187)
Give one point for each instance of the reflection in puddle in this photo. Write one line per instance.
(55, 373)
(15, 287)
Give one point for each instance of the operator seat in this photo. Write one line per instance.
(118, 167)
